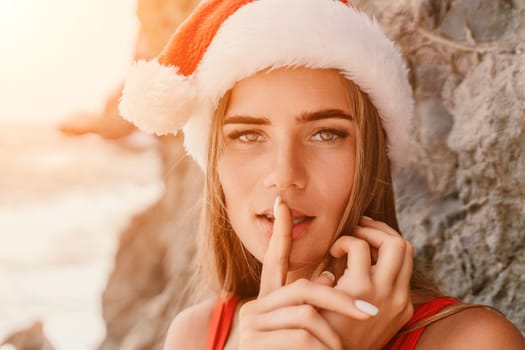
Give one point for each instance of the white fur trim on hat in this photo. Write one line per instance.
(270, 34)
(157, 99)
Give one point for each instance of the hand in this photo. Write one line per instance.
(379, 267)
(287, 316)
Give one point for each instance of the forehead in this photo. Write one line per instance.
(288, 91)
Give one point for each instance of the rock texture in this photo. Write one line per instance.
(461, 201)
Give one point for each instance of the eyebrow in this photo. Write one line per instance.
(304, 117)
(324, 114)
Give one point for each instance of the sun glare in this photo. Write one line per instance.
(7, 11)
(19, 18)
(62, 56)
(10, 11)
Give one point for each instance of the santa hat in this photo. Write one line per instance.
(225, 41)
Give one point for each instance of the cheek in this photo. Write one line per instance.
(334, 189)
(240, 172)
(237, 178)
(340, 190)
(238, 181)
(335, 178)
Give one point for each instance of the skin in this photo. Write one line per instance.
(309, 163)
(294, 148)
(295, 309)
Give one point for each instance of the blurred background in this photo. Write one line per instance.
(97, 219)
(64, 199)
(63, 57)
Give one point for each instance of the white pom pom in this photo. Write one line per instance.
(196, 134)
(156, 98)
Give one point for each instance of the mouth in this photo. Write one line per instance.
(300, 222)
(296, 220)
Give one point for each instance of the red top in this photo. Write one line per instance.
(408, 341)
(221, 322)
(224, 311)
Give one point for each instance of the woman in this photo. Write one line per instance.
(298, 111)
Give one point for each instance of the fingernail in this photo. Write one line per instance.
(328, 275)
(367, 308)
(276, 206)
(367, 218)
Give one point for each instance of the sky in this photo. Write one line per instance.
(61, 57)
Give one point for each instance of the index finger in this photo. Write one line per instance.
(275, 263)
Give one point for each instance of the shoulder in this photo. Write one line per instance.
(190, 326)
(475, 328)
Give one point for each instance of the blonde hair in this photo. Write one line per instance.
(230, 268)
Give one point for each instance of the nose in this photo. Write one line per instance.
(286, 169)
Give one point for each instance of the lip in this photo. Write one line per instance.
(294, 212)
(298, 230)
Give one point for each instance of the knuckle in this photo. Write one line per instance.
(302, 283)
(360, 244)
(342, 242)
(397, 243)
(344, 239)
(400, 301)
(246, 309)
(409, 312)
(307, 312)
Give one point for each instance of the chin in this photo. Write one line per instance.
(298, 263)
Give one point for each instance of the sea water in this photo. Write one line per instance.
(63, 202)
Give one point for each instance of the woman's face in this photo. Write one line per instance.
(288, 132)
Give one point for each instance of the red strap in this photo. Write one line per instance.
(221, 321)
(408, 341)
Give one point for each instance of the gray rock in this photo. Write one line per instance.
(470, 234)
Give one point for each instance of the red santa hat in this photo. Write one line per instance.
(225, 41)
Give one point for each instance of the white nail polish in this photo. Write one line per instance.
(328, 275)
(367, 218)
(367, 308)
(276, 206)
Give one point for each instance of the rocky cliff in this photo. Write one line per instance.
(461, 201)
